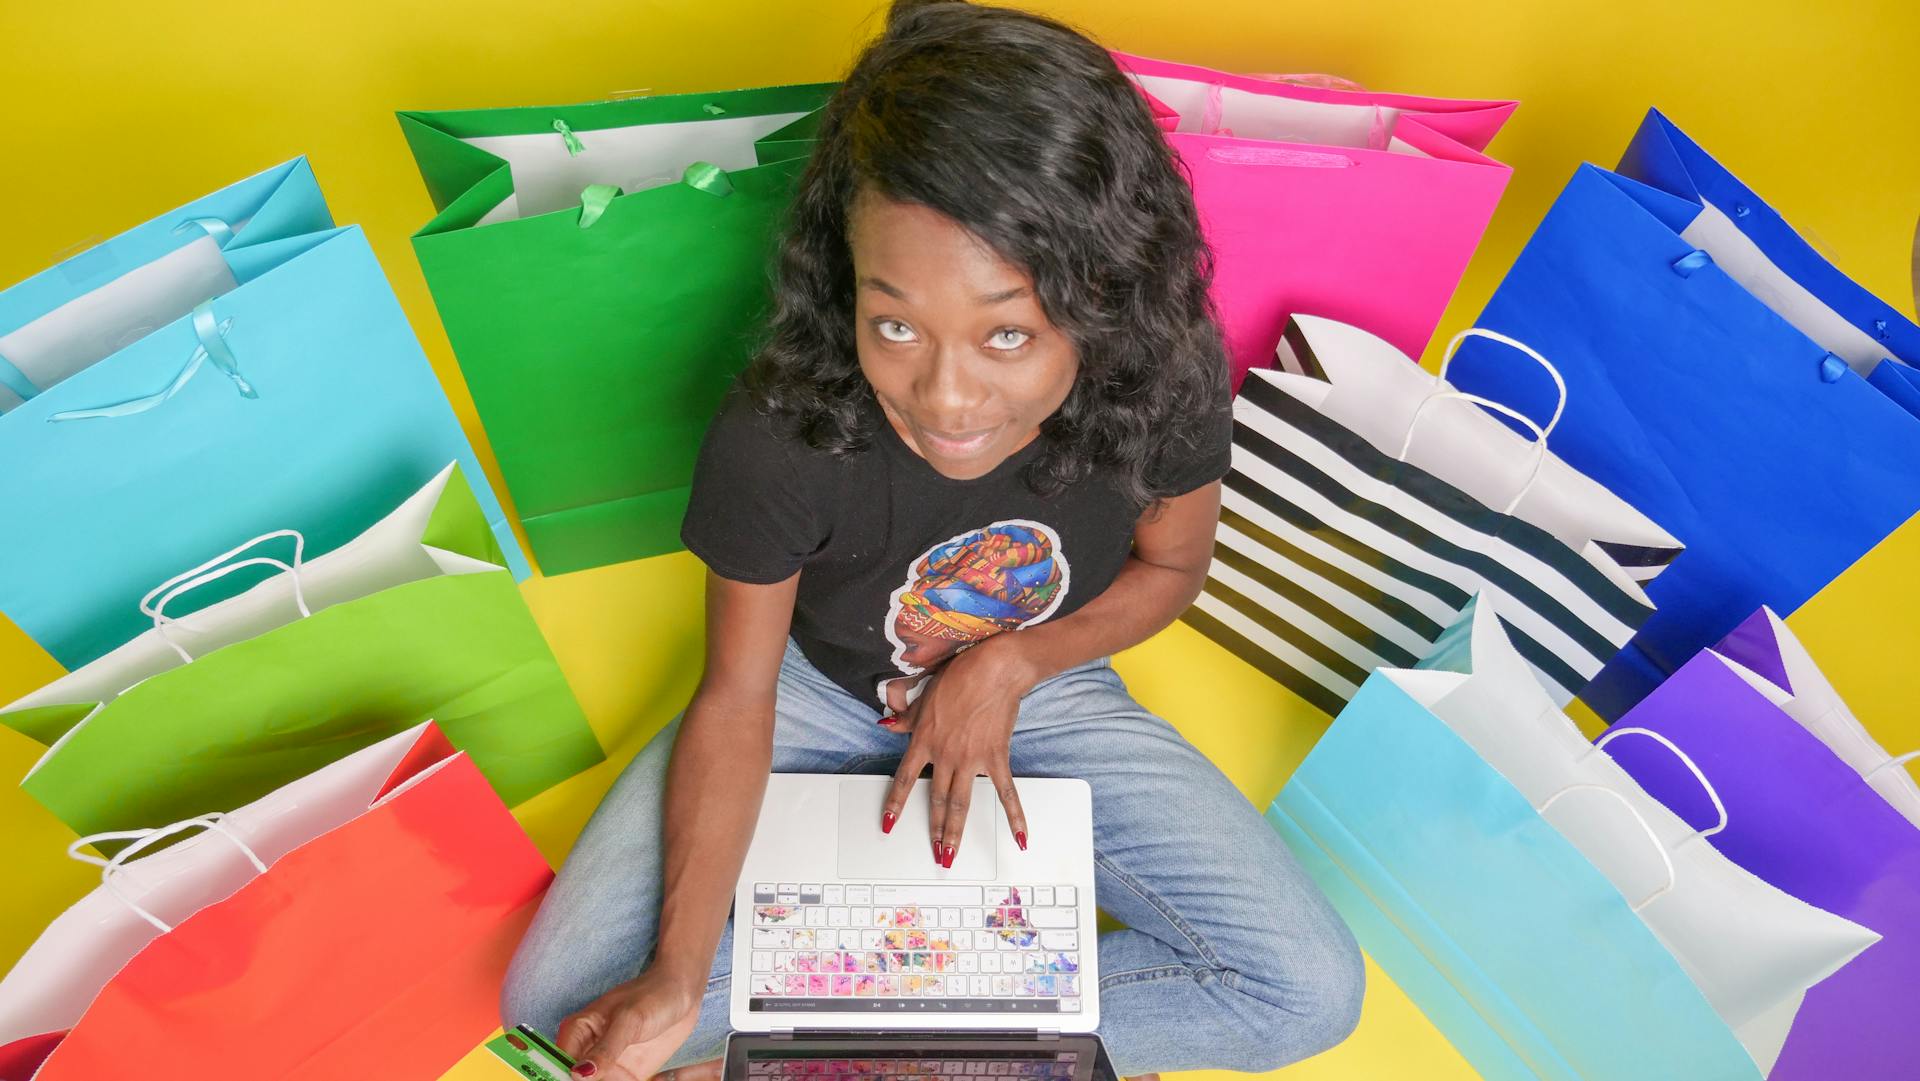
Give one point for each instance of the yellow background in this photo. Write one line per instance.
(117, 111)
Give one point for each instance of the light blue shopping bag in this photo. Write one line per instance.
(236, 366)
(1515, 946)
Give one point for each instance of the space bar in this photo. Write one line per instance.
(927, 895)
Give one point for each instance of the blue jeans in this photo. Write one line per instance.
(1231, 958)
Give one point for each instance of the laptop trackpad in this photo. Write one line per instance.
(907, 852)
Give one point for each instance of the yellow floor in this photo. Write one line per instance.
(112, 103)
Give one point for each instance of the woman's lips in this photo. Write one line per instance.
(957, 444)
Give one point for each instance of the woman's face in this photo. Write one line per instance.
(921, 650)
(952, 338)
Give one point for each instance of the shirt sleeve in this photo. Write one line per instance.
(750, 518)
(1203, 454)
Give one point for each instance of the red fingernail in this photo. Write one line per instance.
(886, 822)
(1020, 838)
(948, 861)
(889, 720)
(583, 1069)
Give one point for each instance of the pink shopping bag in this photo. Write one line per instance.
(1361, 207)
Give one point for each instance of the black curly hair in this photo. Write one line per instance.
(1029, 136)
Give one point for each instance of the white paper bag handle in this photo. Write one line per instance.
(155, 602)
(1630, 730)
(1539, 442)
(1673, 876)
(1559, 381)
(144, 839)
(1892, 763)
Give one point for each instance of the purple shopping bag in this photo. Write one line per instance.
(1802, 819)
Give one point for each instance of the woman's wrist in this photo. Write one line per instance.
(680, 969)
(1010, 662)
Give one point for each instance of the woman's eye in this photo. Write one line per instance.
(894, 330)
(1008, 339)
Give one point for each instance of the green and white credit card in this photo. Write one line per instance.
(531, 1055)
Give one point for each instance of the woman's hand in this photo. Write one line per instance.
(962, 723)
(631, 1031)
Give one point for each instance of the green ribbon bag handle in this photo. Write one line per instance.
(700, 176)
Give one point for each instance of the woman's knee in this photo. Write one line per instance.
(1309, 1003)
(532, 996)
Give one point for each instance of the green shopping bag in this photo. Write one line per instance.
(602, 272)
(415, 619)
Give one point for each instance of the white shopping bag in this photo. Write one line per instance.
(1753, 950)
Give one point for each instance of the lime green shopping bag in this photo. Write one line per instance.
(602, 272)
(413, 620)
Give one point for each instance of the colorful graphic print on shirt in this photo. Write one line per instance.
(967, 589)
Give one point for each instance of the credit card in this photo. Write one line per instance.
(531, 1055)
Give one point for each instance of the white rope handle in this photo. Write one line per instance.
(1685, 760)
(154, 604)
(144, 839)
(1559, 381)
(212, 819)
(1673, 876)
(1891, 763)
(1539, 443)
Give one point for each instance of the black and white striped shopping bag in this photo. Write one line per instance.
(1335, 556)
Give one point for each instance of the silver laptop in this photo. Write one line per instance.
(839, 927)
(916, 1057)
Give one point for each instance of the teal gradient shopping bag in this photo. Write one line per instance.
(236, 365)
(1514, 945)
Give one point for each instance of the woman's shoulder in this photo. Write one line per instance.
(745, 438)
(1196, 446)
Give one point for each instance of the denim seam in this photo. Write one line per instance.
(1166, 912)
(1142, 975)
(865, 760)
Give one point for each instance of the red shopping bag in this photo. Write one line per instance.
(374, 950)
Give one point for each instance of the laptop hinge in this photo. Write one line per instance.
(781, 1034)
(1048, 1034)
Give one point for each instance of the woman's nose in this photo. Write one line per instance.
(950, 389)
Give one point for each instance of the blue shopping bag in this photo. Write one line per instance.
(1511, 942)
(1722, 377)
(236, 366)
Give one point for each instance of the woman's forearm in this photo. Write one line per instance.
(1172, 549)
(1143, 599)
(715, 782)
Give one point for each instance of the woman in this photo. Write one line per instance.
(993, 400)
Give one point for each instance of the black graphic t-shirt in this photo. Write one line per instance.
(903, 567)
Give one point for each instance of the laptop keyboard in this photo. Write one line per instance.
(918, 948)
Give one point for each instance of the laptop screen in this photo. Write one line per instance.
(916, 1057)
